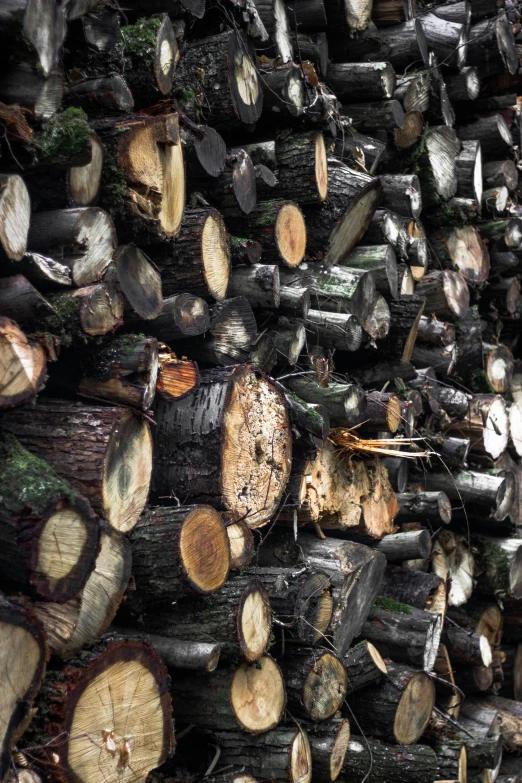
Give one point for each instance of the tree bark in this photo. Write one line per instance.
(302, 167)
(431, 506)
(405, 634)
(446, 294)
(448, 39)
(413, 588)
(106, 453)
(278, 226)
(140, 281)
(378, 115)
(181, 316)
(259, 283)
(227, 399)
(362, 81)
(468, 648)
(372, 761)
(364, 666)
(411, 545)
(346, 403)
(493, 134)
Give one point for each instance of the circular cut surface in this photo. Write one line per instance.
(485, 651)
(215, 253)
(300, 759)
(56, 562)
(204, 549)
(468, 253)
(414, 710)
(117, 726)
(376, 657)
(490, 624)
(257, 447)
(339, 750)
(127, 472)
(15, 214)
(22, 366)
(241, 543)
(258, 695)
(321, 167)
(499, 368)
(172, 187)
(325, 687)
(255, 622)
(393, 413)
(84, 181)
(20, 657)
(290, 232)
(457, 293)
(317, 606)
(496, 428)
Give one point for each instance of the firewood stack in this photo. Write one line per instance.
(260, 391)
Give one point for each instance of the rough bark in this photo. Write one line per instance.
(364, 666)
(376, 762)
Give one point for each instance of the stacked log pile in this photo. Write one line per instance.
(260, 391)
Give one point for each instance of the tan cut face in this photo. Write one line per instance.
(246, 78)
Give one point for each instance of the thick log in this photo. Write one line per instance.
(205, 151)
(302, 167)
(362, 81)
(401, 194)
(411, 545)
(84, 181)
(413, 588)
(451, 762)
(100, 95)
(372, 761)
(464, 85)
(277, 25)
(403, 633)
(15, 216)
(480, 618)
(493, 134)
(346, 403)
(236, 187)
(45, 273)
(22, 366)
(39, 27)
(399, 707)
(364, 666)
(83, 239)
(228, 402)
(175, 654)
(507, 715)
(381, 261)
(435, 332)
(329, 745)
(469, 648)
(140, 281)
(378, 115)
(24, 656)
(334, 330)
(88, 615)
(105, 453)
(383, 412)
(355, 572)
(446, 293)
(109, 685)
(406, 237)
(227, 63)
(197, 261)
(50, 534)
(92, 310)
(259, 283)
(251, 697)
(310, 418)
(237, 616)
(434, 507)
(21, 301)
(26, 86)
(500, 172)
(453, 451)
(469, 171)
(285, 92)
(315, 682)
(181, 316)
(438, 169)
(178, 550)
(486, 425)
(492, 491)
(278, 226)
(492, 46)
(313, 46)
(282, 754)
(448, 39)
(349, 144)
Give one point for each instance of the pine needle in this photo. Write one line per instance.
(349, 444)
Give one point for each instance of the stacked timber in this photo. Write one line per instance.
(260, 391)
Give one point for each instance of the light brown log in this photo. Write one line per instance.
(15, 215)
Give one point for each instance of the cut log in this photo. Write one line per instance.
(346, 403)
(504, 234)
(401, 193)
(41, 27)
(278, 226)
(378, 115)
(469, 648)
(45, 273)
(451, 762)
(486, 425)
(434, 507)
(383, 412)
(413, 588)
(21, 301)
(435, 332)
(82, 619)
(355, 572)
(507, 715)
(241, 433)
(381, 261)
(284, 89)
(178, 550)
(92, 310)
(105, 453)
(205, 151)
(448, 39)
(364, 666)
(181, 316)
(197, 261)
(493, 134)
(100, 95)
(259, 283)
(315, 682)
(500, 172)
(50, 534)
(348, 144)
(405, 634)
(501, 572)
(24, 656)
(83, 239)
(15, 215)
(399, 707)
(362, 81)
(493, 491)
(236, 187)
(499, 367)
(310, 418)
(334, 330)
(276, 22)
(84, 182)
(237, 616)
(411, 545)
(480, 618)
(465, 85)
(241, 542)
(282, 754)
(492, 44)
(451, 558)
(22, 366)
(446, 294)
(453, 451)
(140, 281)
(329, 745)
(251, 697)
(469, 171)
(302, 167)
(106, 692)
(217, 75)
(369, 760)
(26, 86)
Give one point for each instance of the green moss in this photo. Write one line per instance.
(390, 605)
(447, 214)
(140, 38)
(114, 186)
(478, 382)
(497, 569)
(64, 137)
(28, 482)
(65, 322)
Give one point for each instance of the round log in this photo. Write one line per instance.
(446, 294)
(140, 281)
(302, 167)
(105, 453)
(434, 507)
(411, 545)
(413, 588)
(15, 213)
(22, 366)
(329, 745)
(361, 81)
(315, 683)
(371, 760)
(278, 226)
(364, 666)
(245, 475)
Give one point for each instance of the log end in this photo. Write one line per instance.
(258, 695)
(204, 550)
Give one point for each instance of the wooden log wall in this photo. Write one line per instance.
(260, 391)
